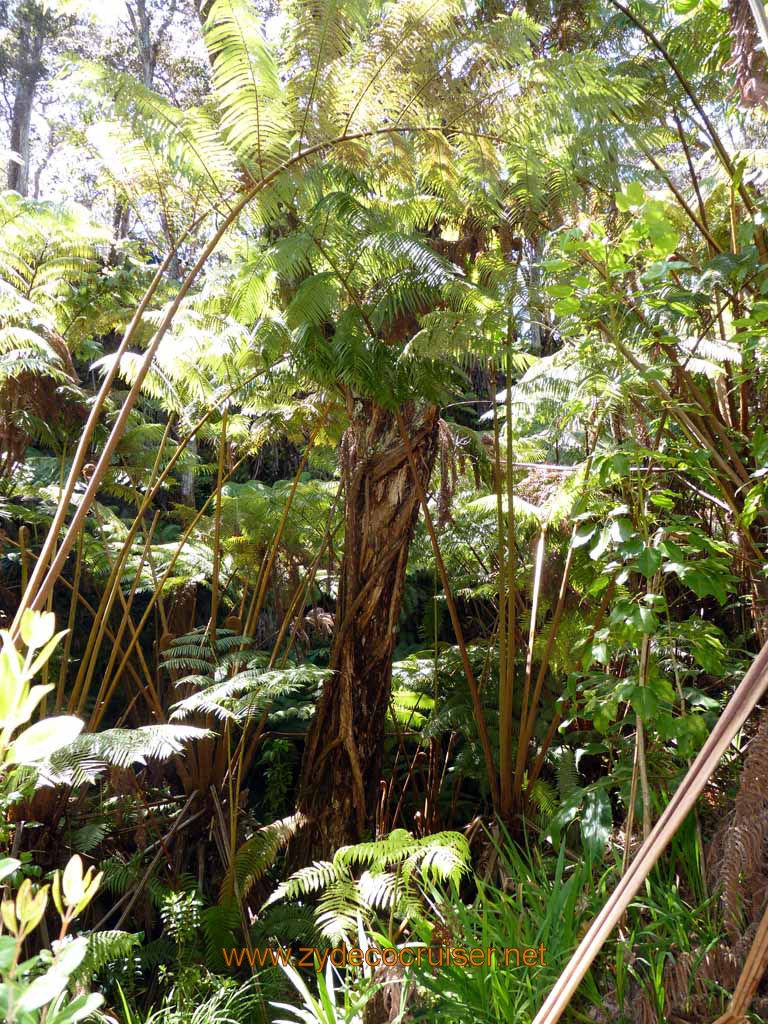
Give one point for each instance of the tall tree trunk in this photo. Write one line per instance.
(345, 745)
(188, 478)
(29, 71)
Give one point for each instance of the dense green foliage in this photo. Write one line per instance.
(399, 367)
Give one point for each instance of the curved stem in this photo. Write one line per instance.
(688, 90)
(42, 582)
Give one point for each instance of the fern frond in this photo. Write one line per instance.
(310, 879)
(91, 754)
(257, 855)
(106, 948)
(247, 82)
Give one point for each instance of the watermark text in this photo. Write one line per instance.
(388, 956)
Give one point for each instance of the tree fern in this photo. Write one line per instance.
(394, 868)
(246, 694)
(188, 141)
(88, 837)
(567, 773)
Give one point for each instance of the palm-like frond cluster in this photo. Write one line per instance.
(396, 870)
(406, 98)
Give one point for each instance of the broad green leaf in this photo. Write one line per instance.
(601, 653)
(645, 702)
(11, 685)
(663, 689)
(596, 822)
(635, 193)
(603, 541)
(605, 716)
(7, 867)
(79, 1009)
(709, 652)
(37, 628)
(705, 583)
(621, 529)
(691, 732)
(43, 990)
(566, 813)
(72, 881)
(583, 534)
(7, 951)
(45, 653)
(648, 561)
(42, 739)
(645, 619)
(30, 702)
(73, 955)
(564, 307)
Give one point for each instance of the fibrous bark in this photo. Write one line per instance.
(345, 744)
(747, 57)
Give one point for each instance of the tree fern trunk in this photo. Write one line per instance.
(343, 756)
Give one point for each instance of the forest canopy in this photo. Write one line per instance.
(383, 533)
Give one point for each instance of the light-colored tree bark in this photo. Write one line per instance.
(35, 26)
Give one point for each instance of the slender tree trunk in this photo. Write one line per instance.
(141, 23)
(188, 478)
(29, 72)
(345, 745)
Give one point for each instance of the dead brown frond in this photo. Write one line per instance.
(744, 868)
(694, 983)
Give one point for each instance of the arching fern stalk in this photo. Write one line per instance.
(268, 129)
